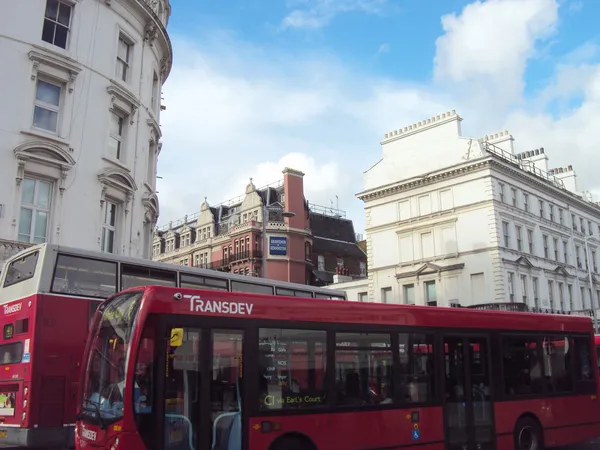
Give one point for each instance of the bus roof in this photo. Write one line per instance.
(166, 300)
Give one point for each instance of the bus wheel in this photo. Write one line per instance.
(293, 443)
(528, 435)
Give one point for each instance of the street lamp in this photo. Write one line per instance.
(265, 214)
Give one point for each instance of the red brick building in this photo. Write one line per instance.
(305, 244)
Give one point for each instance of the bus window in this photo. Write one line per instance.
(21, 269)
(84, 276)
(200, 282)
(11, 353)
(291, 365)
(240, 286)
(416, 367)
(293, 293)
(363, 368)
(329, 297)
(22, 326)
(132, 276)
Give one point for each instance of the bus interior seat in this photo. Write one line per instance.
(227, 431)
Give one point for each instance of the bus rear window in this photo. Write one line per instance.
(84, 276)
(21, 269)
(11, 353)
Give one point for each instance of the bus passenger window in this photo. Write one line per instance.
(557, 359)
(21, 269)
(363, 369)
(522, 371)
(11, 353)
(292, 365)
(416, 367)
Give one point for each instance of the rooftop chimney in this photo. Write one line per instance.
(568, 177)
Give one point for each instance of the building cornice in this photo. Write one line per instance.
(397, 187)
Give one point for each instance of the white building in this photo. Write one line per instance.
(79, 133)
(454, 220)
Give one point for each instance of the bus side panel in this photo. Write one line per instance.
(356, 430)
(63, 325)
(561, 417)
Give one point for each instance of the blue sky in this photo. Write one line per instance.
(258, 85)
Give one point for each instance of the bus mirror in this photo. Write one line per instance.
(176, 337)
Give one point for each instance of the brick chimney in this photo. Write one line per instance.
(293, 188)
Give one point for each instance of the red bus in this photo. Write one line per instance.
(48, 295)
(182, 369)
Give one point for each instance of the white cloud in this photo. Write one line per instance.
(487, 46)
(318, 13)
(237, 111)
(383, 48)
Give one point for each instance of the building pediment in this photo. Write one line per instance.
(45, 153)
(560, 270)
(119, 179)
(430, 268)
(520, 261)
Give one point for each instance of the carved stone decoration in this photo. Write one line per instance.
(133, 111)
(127, 202)
(150, 32)
(163, 67)
(34, 70)
(64, 172)
(103, 196)
(20, 170)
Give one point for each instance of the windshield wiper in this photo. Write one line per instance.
(97, 408)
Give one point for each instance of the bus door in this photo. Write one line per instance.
(202, 389)
(468, 412)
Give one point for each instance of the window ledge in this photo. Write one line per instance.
(123, 99)
(46, 136)
(116, 162)
(54, 64)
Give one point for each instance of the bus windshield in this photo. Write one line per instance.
(104, 381)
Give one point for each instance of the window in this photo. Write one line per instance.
(289, 292)
(115, 141)
(363, 297)
(570, 296)
(536, 298)
(561, 219)
(430, 293)
(556, 363)
(530, 241)
(581, 223)
(578, 255)
(409, 294)
(545, 241)
(574, 222)
(155, 93)
(556, 250)
(524, 288)
(551, 208)
(292, 366)
(417, 375)
(363, 369)
(594, 263)
(584, 375)
(123, 59)
(514, 196)
(526, 202)
(565, 252)
(505, 234)
(197, 281)
(47, 106)
(522, 373)
(541, 208)
(519, 238)
(34, 217)
(386, 295)
(363, 268)
(21, 269)
(501, 191)
(582, 293)
(340, 262)
(321, 262)
(57, 21)
(11, 353)
(551, 293)
(84, 277)
(109, 226)
(239, 286)
(424, 205)
(511, 287)
(132, 276)
(590, 231)
(427, 250)
(561, 297)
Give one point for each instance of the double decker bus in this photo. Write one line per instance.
(185, 369)
(48, 296)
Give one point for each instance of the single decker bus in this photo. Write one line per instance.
(48, 295)
(185, 369)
